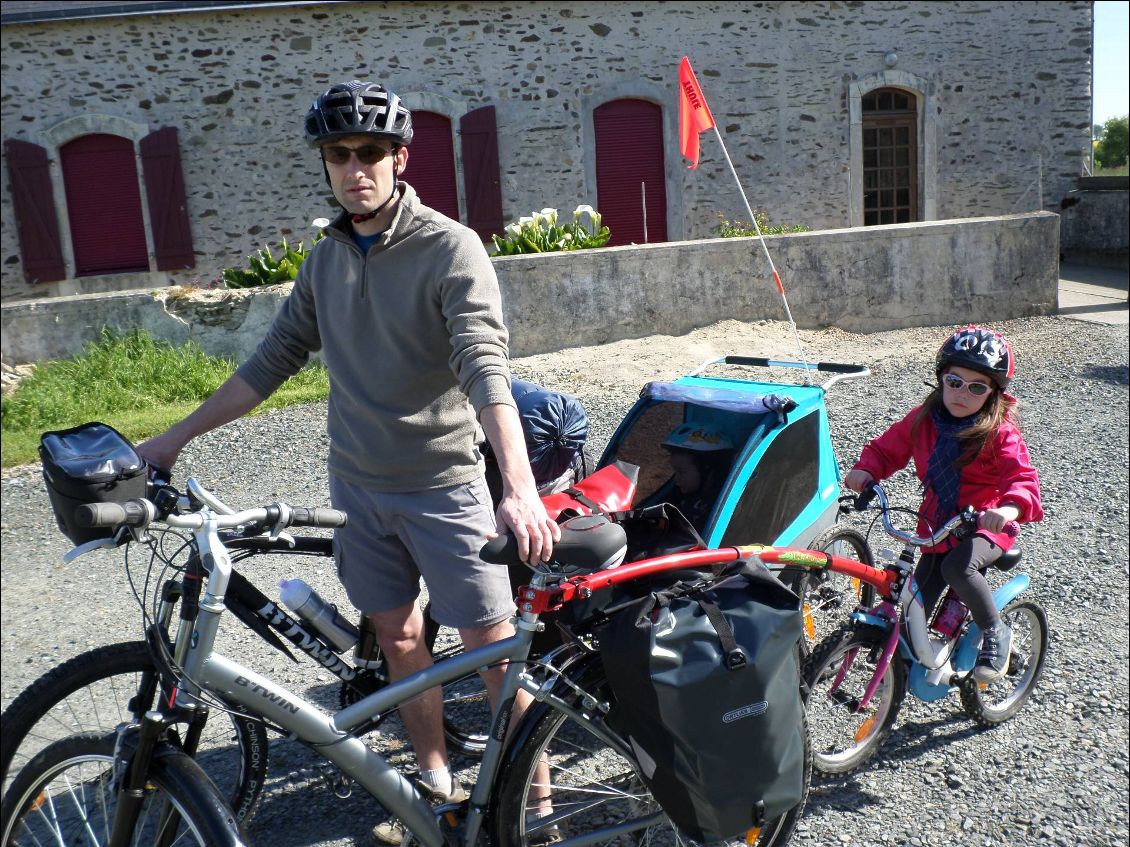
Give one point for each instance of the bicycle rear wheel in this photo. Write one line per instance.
(595, 790)
(995, 702)
(66, 795)
(102, 688)
(844, 736)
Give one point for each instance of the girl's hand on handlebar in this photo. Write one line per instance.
(857, 480)
(995, 520)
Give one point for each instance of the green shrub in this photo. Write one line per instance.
(1112, 149)
(740, 229)
(541, 232)
(265, 269)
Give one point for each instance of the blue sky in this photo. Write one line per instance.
(1112, 59)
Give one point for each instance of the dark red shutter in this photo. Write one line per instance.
(30, 178)
(168, 208)
(104, 205)
(481, 178)
(629, 151)
(431, 163)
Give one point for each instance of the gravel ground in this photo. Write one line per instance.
(1057, 774)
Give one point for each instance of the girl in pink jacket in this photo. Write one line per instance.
(967, 451)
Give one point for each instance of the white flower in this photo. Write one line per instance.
(525, 220)
(514, 229)
(320, 223)
(586, 209)
(550, 215)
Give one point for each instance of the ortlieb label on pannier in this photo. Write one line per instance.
(706, 688)
(91, 463)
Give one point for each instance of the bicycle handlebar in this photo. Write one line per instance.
(968, 515)
(140, 513)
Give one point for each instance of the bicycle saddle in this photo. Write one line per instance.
(1008, 559)
(588, 543)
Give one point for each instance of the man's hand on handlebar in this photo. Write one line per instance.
(161, 452)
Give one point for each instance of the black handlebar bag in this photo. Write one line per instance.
(91, 463)
(706, 687)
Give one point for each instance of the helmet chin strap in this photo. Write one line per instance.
(368, 216)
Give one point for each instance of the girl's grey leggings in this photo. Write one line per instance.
(962, 568)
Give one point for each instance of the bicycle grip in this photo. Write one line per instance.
(326, 518)
(500, 550)
(864, 498)
(131, 512)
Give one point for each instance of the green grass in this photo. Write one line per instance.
(1121, 170)
(134, 383)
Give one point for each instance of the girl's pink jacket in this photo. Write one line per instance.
(1001, 473)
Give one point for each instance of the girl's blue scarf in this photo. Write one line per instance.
(942, 476)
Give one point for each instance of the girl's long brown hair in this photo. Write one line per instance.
(999, 408)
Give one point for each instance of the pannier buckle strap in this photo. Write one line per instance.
(735, 655)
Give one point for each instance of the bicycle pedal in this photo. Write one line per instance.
(452, 818)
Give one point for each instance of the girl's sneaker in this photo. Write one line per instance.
(992, 662)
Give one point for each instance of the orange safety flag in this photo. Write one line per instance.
(694, 114)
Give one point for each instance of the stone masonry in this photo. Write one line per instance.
(1005, 89)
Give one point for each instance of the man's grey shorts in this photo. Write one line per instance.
(392, 540)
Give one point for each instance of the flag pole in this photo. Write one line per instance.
(768, 258)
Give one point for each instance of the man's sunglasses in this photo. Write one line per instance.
(977, 389)
(369, 154)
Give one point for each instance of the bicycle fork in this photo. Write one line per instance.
(881, 665)
(134, 777)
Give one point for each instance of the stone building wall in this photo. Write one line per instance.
(1005, 88)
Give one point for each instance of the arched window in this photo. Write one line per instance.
(104, 205)
(890, 156)
(431, 163)
(631, 191)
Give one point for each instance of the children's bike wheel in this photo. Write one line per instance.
(827, 597)
(992, 703)
(844, 735)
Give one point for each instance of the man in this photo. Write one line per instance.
(405, 307)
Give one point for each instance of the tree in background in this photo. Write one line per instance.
(1111, 151)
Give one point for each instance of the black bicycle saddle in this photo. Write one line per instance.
(588, 543)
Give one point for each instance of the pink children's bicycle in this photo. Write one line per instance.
(859, 674)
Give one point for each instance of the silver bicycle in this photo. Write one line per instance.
(138, 785)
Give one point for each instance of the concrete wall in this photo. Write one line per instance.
(1096, 222)
(1003, 92)
(886, 277)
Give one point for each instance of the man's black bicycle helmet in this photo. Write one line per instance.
(979, 349)
(358, 108)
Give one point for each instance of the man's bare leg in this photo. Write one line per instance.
(400, 634)
(493, 677)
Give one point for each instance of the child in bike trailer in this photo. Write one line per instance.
(967, 450)
(700, 462)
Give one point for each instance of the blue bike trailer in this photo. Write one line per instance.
(771, 475)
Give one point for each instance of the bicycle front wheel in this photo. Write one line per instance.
(828, 597)
(66, 795)
(595, 790)
(846, 734)
(995, 702)
(99, 689)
